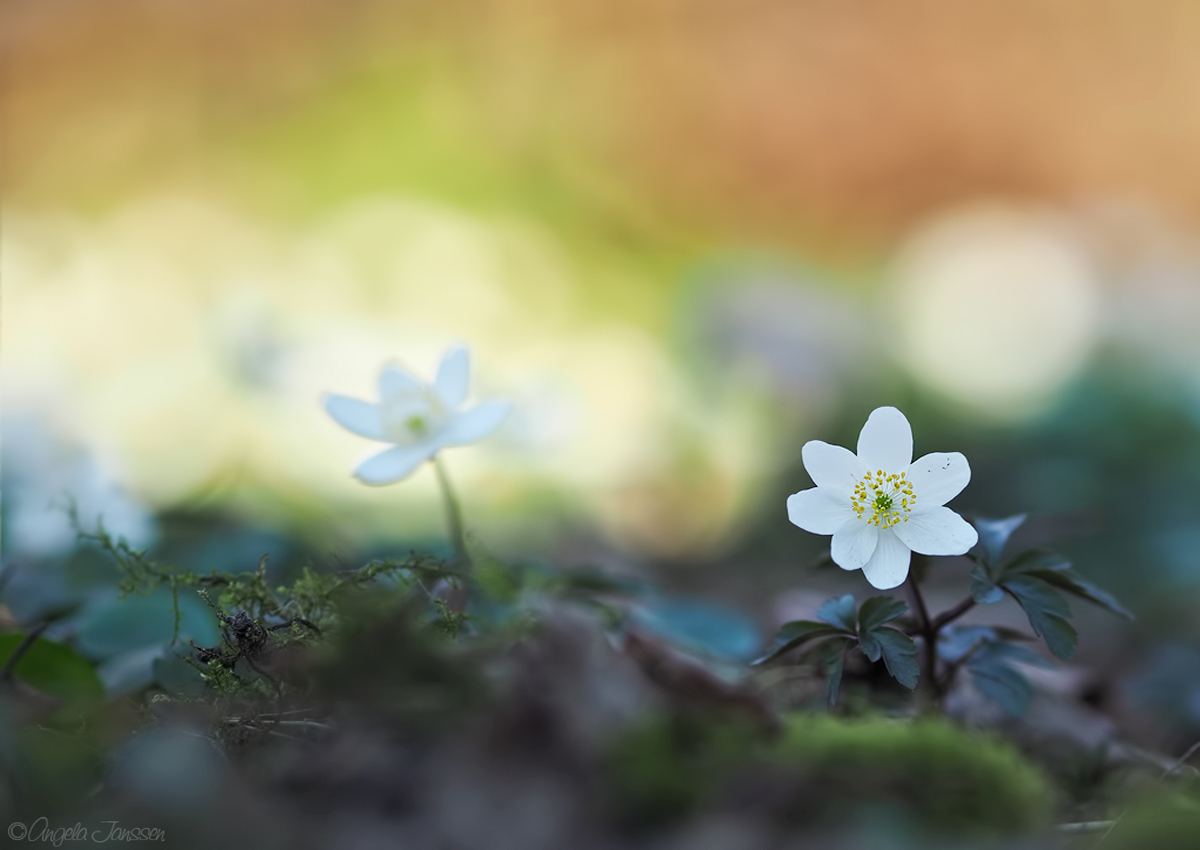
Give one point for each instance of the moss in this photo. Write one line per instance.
(1169, 822)
(823, 772)
(660, 770)
(943, 777)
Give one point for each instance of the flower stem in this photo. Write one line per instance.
(929, 633)
(453, 515)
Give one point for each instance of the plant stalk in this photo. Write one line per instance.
(928, 634)
(453, 515)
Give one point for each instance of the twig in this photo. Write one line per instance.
(10, 665)
(1088, 826)
(947, 617)
(1182, 760)
(255, 721)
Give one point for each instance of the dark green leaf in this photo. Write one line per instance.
(983, 589)
(879, 610)
(55, 670)
(877, 641)
(839, 612)
(1036, 559)
(1072, 582)
(994, 534)
(1047, 612)
(869, 643)
(899, 655)
(1057, 571)
(834, 654)
(794, 634)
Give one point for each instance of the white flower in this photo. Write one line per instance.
(42, 473)
(880, 506)
(418, 419)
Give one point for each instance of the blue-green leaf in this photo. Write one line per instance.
(955, 642)
(1003, 685)
(983, 589)
(115, 626)
(995, 677)
(700, 626)
(994, 534)
(839, 612)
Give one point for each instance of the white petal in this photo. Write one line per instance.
(395, 380)
(473, 425)
(888, 566)
(853, 544)
(393, 464)
(359, 417)
(818, 511)
(937, 531)
(939, 477)
(454, 376)
(834, 468)
(886, 441)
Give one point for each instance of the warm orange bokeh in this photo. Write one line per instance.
(821, 120)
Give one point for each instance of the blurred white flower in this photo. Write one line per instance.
(418, 419)
(879, 505)
(44, 476)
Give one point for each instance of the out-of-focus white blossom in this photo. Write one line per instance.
(417, 418)
(43, 477)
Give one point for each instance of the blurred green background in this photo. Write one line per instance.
(683, 238)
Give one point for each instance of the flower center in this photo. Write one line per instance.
(412, 417)
(883, 499)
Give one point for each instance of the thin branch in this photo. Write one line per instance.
(949, 616)
(1182, 760)
(1087, 826)
(10, 666)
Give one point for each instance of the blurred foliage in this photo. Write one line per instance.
(826, 772)
(1164, 822)
(943, 776)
